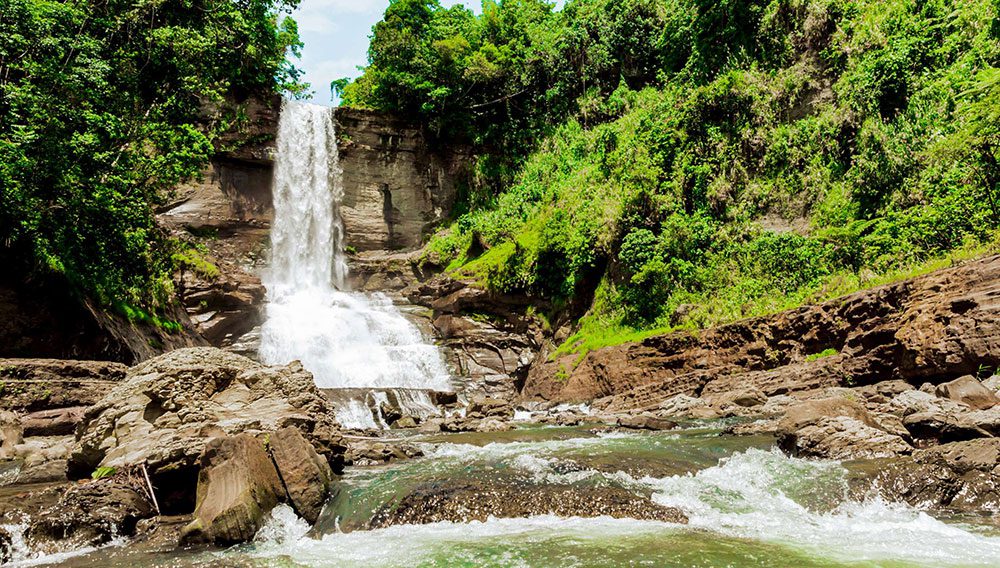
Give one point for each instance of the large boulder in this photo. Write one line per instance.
(167, 409)
(970, 391)
(837, 428)
(237, 486)
(841, 438)
(306, 475)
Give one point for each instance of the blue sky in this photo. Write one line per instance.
(336, 36)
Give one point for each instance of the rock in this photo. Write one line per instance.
(681, 405)
(305, 475)
(10, 433)
(458, 501)
(405, 422)
(168, 408)
(371, 451)
(491, 407)
(493, 425)
(646, 422)
(55, 422)
(92, 514)
(748, 398)
(43, 458)
(843, 438)
(237, 486)
(964, 476)
(913, 402)
(941, 324)
(993, 383)
(942, 427)
(6, 546)
(969, 391)
(812, 411)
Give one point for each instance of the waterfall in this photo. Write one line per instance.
(346, 339)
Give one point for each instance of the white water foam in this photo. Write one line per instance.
(345, 339)
(759, 494)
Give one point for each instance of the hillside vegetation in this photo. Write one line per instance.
(104, 108)
(679, 163)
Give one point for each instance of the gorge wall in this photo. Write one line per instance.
(397, 185)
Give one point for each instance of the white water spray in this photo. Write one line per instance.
(345, 339)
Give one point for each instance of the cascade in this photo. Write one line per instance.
(346, 339)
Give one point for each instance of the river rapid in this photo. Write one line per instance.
(748, 505)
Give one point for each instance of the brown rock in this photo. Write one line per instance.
(237, 486)
(10, 433)
(168, 408)
(491, 407)
(646, 422)
(91, 514)
(812, 411)
(469, 501)
(306, 476)
(964, 476)
(970, 391)
(843, 438)
(55, 422)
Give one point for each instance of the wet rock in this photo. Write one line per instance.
(10, 434)
(969, 391)
(305, 475)
(963, 476)
(405, 422)
(237, 486)
(942, 427)
(6, 546)
(371, 451)
(842, 438)
(91, 514)
(490, 408)
(55, 422)
(168, 408)
(469, 501)
(646, 422)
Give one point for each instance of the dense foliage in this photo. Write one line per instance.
(688, 162)
(104, 107)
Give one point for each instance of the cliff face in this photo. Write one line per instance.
(397, 183)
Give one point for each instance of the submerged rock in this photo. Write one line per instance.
(469, 501)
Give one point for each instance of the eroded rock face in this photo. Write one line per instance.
(397, 183)
(463, 502)
(932, 328)
(305, 475)
(168, 408)
(237, 486)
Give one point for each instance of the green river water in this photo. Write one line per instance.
(748, 504)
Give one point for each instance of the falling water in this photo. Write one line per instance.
(347, 339)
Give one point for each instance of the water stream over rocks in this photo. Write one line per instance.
(747, 505)
(346, 339)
